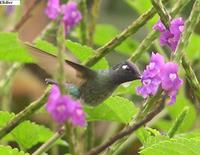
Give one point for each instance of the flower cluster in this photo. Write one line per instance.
(158, 73)
(70, 12)
(63, 108)
(172, 35)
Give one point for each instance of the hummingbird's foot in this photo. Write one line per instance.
(50, 81)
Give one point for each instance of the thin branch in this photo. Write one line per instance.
(61, 61)
(24, 114)
(191, 77)
(144, 46)
(92, 23)
(108, 47)
(48, 144)
(176, 125)
(69, 137)
(89, 136)
(127, 130)
(83, 26)
(9, 74)
(188, 29)
(164, 15)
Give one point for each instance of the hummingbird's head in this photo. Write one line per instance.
(124, 72)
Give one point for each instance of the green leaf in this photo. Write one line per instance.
(127, 88)
(142, 134)
(151, 140)
(193, 49)
(106, 32)
(79, 51)
(26, 134)
(7, 150)
(193, 134)
(115, 108)
(11, 49)
(175, 146)
(35, 133)
(46, 46)
(5, 117)
(83, 52)
(160, 142)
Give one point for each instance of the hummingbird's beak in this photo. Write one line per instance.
(138, 76)
(135, 70)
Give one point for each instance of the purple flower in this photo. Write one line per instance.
(170, 37)
(53, 9)
(63, 108)
(177, 27)
(170, 80)
(158, 73)
(151, 76)
(70, 12)
(149, 86)
(156, 62)
(72, 16)
(78, 116)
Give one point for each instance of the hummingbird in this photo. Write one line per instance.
(91, 86)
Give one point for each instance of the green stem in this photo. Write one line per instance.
(69, 136)
(24, 114)
(191, 77)
(164, 16)
(188, 29)
(92, 23)
(178, 122)
(61, 61)
(48, 144)
(146, 43)
(149, 105)
(89, 134)
(13, 69)
(83, 26)
(108, 47)
(144, 46)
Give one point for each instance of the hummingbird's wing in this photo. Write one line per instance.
(75, 73)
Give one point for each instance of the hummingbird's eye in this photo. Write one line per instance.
(125, 67)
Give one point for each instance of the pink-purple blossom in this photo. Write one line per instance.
(150, 78)
(170, 80)
(63, 108)
(172, 35)
(70, 12)
(53, 9)
(158, 73)
(71, 15)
